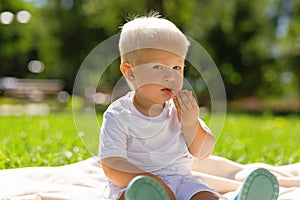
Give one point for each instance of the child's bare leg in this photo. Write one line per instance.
(213, 164)
(205, 196)
(289, 181)
(122, 197)
(222, 185)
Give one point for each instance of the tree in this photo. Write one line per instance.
(254, 43)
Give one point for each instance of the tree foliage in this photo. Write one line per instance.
(255, 44)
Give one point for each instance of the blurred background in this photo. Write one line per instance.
(255, 45)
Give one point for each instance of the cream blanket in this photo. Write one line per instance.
(86, 180)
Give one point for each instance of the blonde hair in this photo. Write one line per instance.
(152, 32)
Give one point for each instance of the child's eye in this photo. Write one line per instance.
(157, 67)
(177, 67)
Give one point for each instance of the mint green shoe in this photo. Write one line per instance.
(259, 185)
(145, 188)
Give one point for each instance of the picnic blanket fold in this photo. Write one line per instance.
(86, 180)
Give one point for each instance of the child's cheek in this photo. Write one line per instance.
(148, 78)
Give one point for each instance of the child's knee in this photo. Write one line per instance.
(205, 195)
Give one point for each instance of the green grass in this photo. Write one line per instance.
(53, 140)
(40, 141)
(269, 139)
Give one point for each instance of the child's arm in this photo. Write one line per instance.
(199, 141)
(121, 172)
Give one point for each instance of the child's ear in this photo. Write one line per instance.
(127, 70)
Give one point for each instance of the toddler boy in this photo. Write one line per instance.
(150, 136)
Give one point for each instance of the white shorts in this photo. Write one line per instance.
(184, 187)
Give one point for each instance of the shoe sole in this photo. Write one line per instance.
(259, 185)
(145, 188)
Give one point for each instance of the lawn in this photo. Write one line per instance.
(267, 138)
(53, 140)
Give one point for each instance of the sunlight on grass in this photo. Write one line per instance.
(41, 141)
(53, 140)
(269, 139)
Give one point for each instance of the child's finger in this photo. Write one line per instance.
(176, 103)
(192, 100)
(185, 99)
(178, 108)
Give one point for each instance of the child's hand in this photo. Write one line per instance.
(187, 108)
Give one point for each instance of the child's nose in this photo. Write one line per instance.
(169, 77)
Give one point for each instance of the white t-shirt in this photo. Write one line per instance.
(154, 144)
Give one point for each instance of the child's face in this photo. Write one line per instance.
(158, 74)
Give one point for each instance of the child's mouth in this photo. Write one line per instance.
(168, 90)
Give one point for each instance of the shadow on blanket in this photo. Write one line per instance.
(86, 180)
